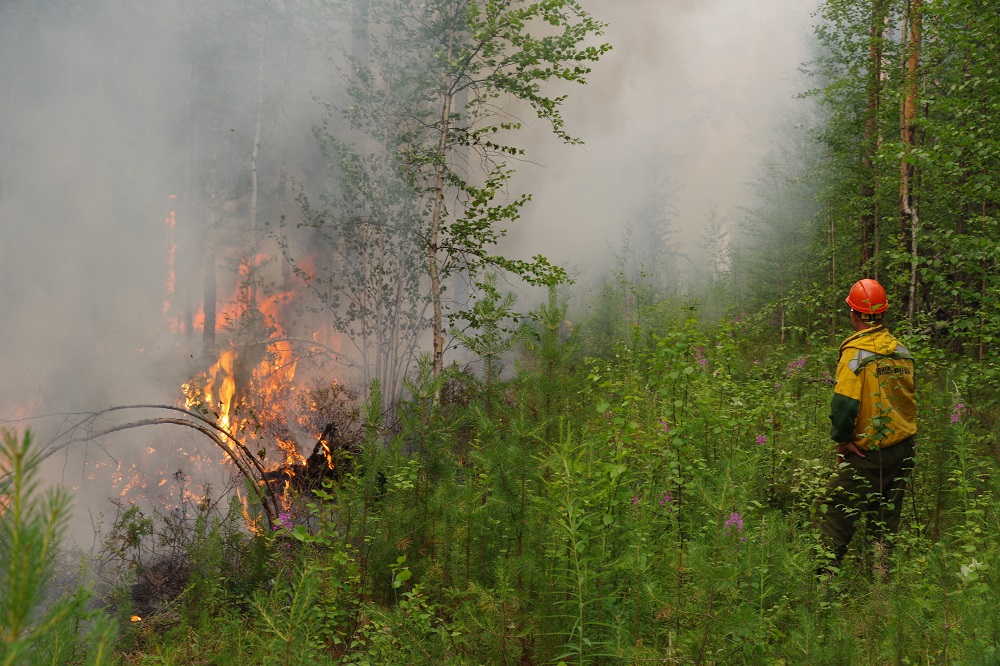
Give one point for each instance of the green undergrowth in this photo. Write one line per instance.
(653, 504)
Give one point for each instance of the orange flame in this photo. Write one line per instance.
(219, 381)
(252, 523)
(261, 400)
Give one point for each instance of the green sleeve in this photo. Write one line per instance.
(843, 414)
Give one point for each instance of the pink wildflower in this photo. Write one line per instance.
(699, 356)
(284, 520)
(735, 521)
(794, 366)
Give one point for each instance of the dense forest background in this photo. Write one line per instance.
(404, 438)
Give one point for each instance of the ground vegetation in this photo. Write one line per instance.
(639, 487)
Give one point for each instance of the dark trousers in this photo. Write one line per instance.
(873, 487)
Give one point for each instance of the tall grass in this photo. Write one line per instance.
(653, 504)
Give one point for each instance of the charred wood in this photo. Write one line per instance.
(330, 459)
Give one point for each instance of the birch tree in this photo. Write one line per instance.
(908, 216)
(440, 88)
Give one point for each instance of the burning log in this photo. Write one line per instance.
(249, 467)
(330, 460)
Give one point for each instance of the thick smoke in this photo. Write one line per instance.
(125, 152)
(117, 117)
(675, 120)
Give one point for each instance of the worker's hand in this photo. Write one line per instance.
(847, 448)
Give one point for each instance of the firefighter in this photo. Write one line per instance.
(874, 424)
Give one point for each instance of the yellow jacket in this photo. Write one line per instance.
(873, 402)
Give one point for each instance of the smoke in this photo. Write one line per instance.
(117, 117)
(675, 120)
(111, 115)
(82, 202)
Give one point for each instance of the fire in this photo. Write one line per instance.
(252, 389)
(273, 355)
(255, 387)
(252, 523)
(228, 388)
(215, 394)
(11, 422)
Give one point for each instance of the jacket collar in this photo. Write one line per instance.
(859, 334)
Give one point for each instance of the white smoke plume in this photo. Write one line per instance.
(108, 109)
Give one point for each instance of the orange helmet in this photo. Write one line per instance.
(868, 297)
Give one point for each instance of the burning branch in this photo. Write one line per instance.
(250, 468)
(309, 342)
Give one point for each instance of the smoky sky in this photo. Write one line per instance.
(108, 111)
(677, 116)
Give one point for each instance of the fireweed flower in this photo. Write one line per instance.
(735, 522)
(665, 426)
(794, 366)
(284, 520)
(666, 497)
(761, 439)
(699, 356)
(636, 499)
(958, 411)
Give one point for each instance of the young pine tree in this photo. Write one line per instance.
(31, 527)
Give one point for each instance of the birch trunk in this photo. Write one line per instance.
(208, 306)
(909, 219)
(433, 266)
(254, 152)
(869, 184)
